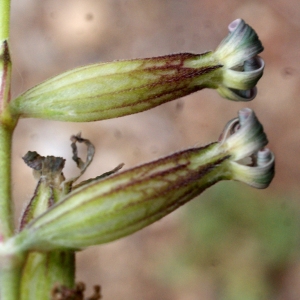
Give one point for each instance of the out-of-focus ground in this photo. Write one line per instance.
(52, 36)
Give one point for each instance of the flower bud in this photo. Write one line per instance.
(238, 53)
(245, 139)
(110, 90)
(105, 210)
(48, 172)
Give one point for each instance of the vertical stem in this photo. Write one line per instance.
(6, 214)
(10, 283)
(5, 18)
(43, 271)
(10, 265)
(7, 125)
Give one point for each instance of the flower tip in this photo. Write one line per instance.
(243, 136)
(245, 140)
(244, 114)
(242, 67)
(234, 24)
(241, 44)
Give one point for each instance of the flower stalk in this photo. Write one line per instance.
(5, 20)
(10, 264)
(7, 124)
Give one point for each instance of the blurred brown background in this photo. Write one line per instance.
(52, 36)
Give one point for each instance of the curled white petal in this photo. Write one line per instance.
(242, 68)
(258, 175)
(247, 135)
(245, 140)
(241, 44)
(247, 78)
(237, 95)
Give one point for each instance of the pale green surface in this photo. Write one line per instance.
(5, 19)
(6, 219)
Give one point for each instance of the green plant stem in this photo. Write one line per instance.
(45, 270)
(5, 19)
(10, 265)
(10, 283)
(6, 126)
(6, 214)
